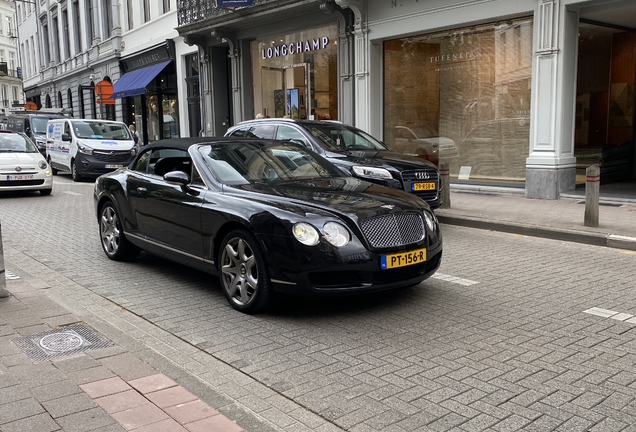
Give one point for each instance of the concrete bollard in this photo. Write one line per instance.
(444, 184)
(3, 279)
(592, 191)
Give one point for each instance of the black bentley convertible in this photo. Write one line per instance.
(265, 215)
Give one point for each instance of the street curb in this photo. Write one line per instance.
(596, 239)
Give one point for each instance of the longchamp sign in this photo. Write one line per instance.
(295, 48)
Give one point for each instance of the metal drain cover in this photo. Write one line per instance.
(48, 345)
(61, 341)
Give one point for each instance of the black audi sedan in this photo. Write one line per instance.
(353, 151)
(265, 216)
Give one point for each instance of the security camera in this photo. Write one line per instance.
(92, 76)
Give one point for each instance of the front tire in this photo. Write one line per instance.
(75, 175)
(45, 192)
(243, 272)
(112, 237)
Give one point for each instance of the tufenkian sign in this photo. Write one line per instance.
(233, 3)
(295, 48)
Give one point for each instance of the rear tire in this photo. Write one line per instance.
(111, 234)
(74, 174)
(243, 273)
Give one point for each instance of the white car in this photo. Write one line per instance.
(22, 166)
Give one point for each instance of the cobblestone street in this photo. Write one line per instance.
(498, 340)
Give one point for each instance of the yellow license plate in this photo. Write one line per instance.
(423, 186)
(402, 259)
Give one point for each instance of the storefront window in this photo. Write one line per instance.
(296, 76)
(153, 118)
(462, 96)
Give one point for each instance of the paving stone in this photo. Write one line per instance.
(218, 423)
(139, 416)
(20, 409)
(37, 375)
(105, 387)
(121, 401)
(38, 423)
(69, 405)
(105, 352)
(152, 383)
(56, 390)
(14, 393)
(88, 420)
(85, 376)
(16, 359)
(168, 425)
(79, 362)
(6, 330)
(128, 366)
(112, 427)
(34, 329)
(170, 396)
(190, 411)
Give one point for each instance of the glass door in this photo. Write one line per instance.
(272, 92)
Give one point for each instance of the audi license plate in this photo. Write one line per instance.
(416, 187)
(20, 177)
(402, 259)
(113, 166)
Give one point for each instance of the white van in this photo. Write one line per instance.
(88, 148)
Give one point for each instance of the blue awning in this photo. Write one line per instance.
(134, 83)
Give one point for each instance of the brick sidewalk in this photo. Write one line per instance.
(105, 389)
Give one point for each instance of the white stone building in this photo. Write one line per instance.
(72, 48)
(10, 70)
(530, 92)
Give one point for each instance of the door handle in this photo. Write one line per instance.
(142, 191)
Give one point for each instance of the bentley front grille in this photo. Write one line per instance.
(393, 229)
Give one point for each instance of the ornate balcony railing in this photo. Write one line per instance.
(191, 11)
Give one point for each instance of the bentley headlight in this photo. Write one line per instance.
(42, 164)
(431, 221)
(336, 234)
(372, 172)
(84, 149)
(306, 234)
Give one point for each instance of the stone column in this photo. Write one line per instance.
(361, 85)
(551, 165)
(346, 94)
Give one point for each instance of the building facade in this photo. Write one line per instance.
(10, 70)
(527, 92)
(74, 51)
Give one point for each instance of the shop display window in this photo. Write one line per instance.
(295, 75)
(462, 96)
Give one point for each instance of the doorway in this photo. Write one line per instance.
(284, 91)
(605, 132)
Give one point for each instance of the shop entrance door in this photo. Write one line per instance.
(605, 128)
(284, 91)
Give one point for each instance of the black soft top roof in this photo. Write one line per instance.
(185, 143)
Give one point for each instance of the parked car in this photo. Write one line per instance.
(265, 216)
(33, 124)
(22, 167)
(88, 148)
(353, 151)
(424, 142)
